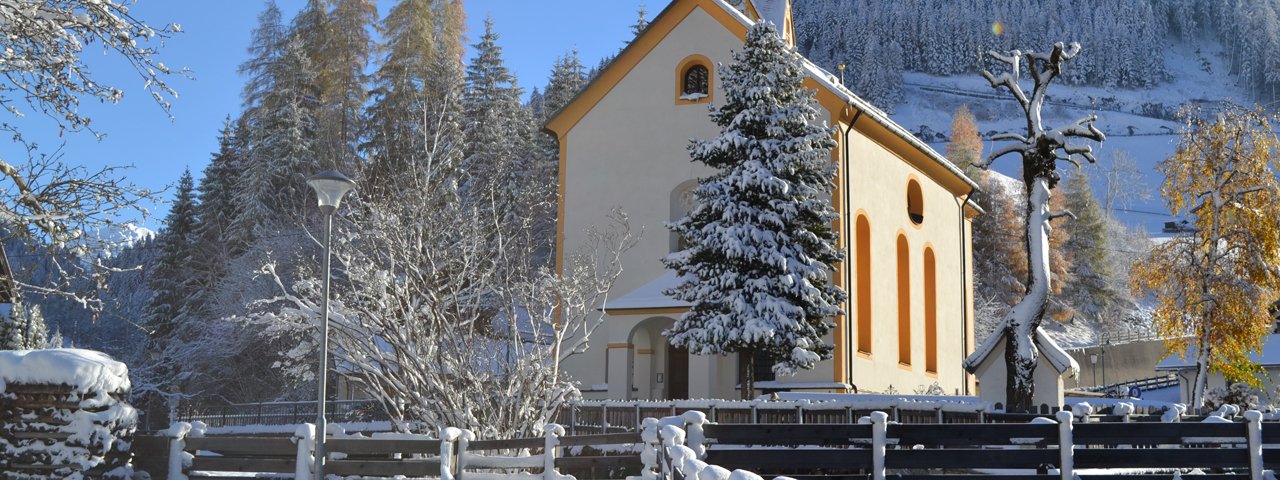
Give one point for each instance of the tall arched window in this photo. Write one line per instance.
(863, 259)
(930, 312)
(682, 202)
(915, 202)
(904, 302)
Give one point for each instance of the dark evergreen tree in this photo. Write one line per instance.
(273, 184)
(1094, 290)
(761, 245)
(214, 241)
(170, 280)
(495, 130)
(265, 45)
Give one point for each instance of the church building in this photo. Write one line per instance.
(904, 219)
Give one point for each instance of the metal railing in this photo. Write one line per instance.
(1144, 384)
(282, 413)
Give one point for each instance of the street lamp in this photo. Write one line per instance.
(330, 187)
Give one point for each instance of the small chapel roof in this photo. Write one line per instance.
(1057, 357)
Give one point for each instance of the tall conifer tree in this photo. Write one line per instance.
(761, 246)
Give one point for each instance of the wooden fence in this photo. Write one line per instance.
(877, 448)
(187, 452)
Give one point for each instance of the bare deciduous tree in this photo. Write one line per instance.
(1041, 149)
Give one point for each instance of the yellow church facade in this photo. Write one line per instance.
(904, 221)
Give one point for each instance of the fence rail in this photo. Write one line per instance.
(391, 455)
(877, 448)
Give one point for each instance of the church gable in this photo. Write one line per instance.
(659, 29)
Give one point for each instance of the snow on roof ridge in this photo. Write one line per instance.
(650, 294)
(1057, 357)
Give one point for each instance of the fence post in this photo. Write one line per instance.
(1254, 418)
(305, 437)
(939, 415)
(552, 433)
(755, 418)
(651, 467)
(879, 434)
(800, 414)
(464, 440)
(604, 418)
(178, 458)
(1065, 444)
(695, 439)
(573, 419)
(447, 438)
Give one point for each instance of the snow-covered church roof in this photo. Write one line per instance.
(649, 295)
(1057, 357)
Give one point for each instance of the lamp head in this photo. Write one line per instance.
(330, 187)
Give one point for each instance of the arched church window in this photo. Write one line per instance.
(694, 80)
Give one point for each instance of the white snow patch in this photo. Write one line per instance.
(85, 370)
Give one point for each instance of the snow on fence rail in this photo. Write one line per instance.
(687, 446)
(606, 416)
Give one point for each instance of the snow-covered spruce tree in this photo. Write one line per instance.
(1213, 285)
(1041, 148)
(282, 140)
(499, 172)
(761, 243)
(171, 278)
(24, 329)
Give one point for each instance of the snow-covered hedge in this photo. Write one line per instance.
(62, 414)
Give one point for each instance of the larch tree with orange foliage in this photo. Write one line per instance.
(1213, 285)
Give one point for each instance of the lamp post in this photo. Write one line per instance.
(330, 187)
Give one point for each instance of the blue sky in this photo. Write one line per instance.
(212, 45)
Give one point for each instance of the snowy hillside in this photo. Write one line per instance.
(1139, 122)
(1142, 61)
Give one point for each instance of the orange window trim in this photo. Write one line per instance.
(863, 254)
(685, 65)
(904, 301)
(930, 312)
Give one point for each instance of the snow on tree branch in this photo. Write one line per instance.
(43, 42)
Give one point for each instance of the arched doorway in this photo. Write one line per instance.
(656, 370)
